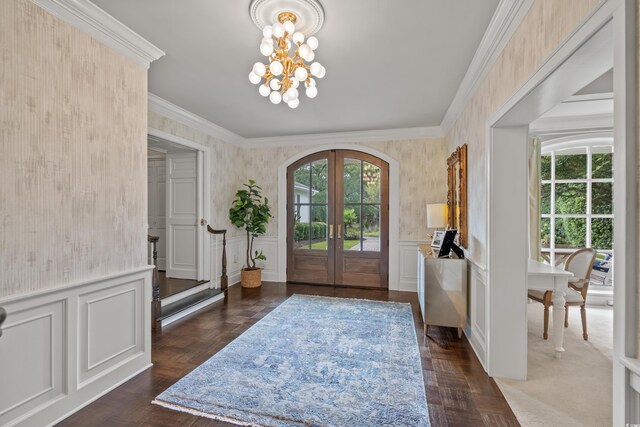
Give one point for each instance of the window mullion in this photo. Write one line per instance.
(552, 240)
(589, 210)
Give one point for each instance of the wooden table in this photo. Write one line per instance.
(545, 277)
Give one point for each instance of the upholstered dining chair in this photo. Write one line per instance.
(580, 263)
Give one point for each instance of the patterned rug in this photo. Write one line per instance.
(313, 361)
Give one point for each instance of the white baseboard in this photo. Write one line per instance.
(64, 347)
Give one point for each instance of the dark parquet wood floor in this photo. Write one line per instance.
(459, 393)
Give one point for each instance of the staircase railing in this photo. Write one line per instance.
(156, 305)
(3, 316)
(224, 280)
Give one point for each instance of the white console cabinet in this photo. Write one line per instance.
(442, 289)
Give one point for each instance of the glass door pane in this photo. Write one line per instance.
(311, 205)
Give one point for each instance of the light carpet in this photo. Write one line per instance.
(313, 361)
(575, 390)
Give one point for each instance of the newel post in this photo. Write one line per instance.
(156, 305)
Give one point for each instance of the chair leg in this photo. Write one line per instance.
(545, 335)
(566, 316)
(583, 313)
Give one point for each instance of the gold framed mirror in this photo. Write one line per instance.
(457, 193)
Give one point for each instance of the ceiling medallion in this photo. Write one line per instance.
(292, 21)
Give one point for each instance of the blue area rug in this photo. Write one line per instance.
(313, 361)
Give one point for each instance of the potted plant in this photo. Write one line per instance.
(251, 212)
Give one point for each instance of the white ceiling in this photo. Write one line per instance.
(390, 63)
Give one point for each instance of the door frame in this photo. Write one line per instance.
(507, 125)
(394, 207)
(204, 196)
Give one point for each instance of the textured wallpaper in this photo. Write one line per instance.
(227, 168)
(73, 179)
(548, 23)
(422, 174)
(422, 178)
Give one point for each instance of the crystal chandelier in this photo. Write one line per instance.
(284, 73)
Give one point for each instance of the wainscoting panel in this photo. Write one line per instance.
(476, 311)
(64, 347)
(408, 267)
(32, 359)
(111, 322)
(269, 246)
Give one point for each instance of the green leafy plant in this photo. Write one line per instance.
(250, 211)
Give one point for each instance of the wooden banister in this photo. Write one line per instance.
(224, 280)
(156, 305)
(3, 316)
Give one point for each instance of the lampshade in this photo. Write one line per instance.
(437, 215)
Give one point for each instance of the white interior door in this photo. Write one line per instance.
(182, 215)
(157, 181)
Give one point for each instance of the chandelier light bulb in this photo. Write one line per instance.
(289, 27)
(266, 49)
(259, 69)
(293, 103)
(267, 32)
(278, 30)
(312, 42)
(268, 41)
(275, 84)
(310, 57)
(275, 97)
(295, 83)
(253, 78)
(301, 74)
(312, 91)
(304, 50)
(276, 68)
(323, 71)
(292, 93)
(315, 69)
(285, 98)
(265, 91)
(298, 38)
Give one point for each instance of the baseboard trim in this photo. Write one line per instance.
(98, 396)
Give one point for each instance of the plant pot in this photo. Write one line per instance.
(251, 278)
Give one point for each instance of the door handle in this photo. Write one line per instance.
(339, 231)
(331, 231)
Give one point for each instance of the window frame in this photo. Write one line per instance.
(551, 148)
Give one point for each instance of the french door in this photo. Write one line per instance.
(338, 220)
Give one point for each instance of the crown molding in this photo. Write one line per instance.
(506, 20)
(419, 133)
(90, 19)
(167, 109)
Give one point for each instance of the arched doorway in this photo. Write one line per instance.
(338, 219)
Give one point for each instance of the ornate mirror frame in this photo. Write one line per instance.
(457, 185)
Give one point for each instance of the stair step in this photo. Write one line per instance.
(188, 302)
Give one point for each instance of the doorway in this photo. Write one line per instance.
(176, 211)
(338, 220)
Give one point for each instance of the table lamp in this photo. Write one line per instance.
(436, 215)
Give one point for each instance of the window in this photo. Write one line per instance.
(576, 199)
